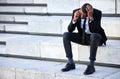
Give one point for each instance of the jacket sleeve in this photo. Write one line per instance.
(71, 26)
(95, 25)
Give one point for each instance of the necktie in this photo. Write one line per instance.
(83, 34)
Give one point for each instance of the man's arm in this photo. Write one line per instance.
(73, 23)
(95, 24)
(94, 21)
(89, 10)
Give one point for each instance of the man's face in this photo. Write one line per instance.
(82, 15)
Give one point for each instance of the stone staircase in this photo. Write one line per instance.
(33, 29)
(15, 68)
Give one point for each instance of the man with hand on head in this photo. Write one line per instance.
(87, 20)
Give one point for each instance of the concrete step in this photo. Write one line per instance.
(45, 26)
(6, 18)
(81, 53)
(16, 1)
(42, 46)
(109, 9)
(112, 8)
(2, 49)
(4, 37)
(15, 68)
(118, 5)
(23, 1)
(2, 28)
(20, 7)
(111, 26)
(30, 45)
(15, 18)
(23, 9)
(105, 54)
(14, 27)
(12, 22)
(59, 24)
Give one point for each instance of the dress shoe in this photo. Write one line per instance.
(68, 67)
(89, 70)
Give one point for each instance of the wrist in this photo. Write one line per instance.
(91, 19)
(73, 22)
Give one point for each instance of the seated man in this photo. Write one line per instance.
(87, 20)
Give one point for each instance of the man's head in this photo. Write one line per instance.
(83, 10)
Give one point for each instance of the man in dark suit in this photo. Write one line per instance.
(87, 20)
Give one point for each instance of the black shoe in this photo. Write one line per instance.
(89, 70)
(68, 67)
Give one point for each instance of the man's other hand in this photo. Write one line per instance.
(76, 16)
(89, 10)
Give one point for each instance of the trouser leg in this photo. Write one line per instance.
(67, 38)
(94, 43)
(67, 45)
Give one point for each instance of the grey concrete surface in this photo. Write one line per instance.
(14, 68)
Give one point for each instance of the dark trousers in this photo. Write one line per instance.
(93, 40)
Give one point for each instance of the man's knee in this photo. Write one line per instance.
(66, 35)
(95, 36)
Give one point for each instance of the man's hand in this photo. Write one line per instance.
(76, 16)
(89, 10)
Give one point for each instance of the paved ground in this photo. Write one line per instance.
(15, 68)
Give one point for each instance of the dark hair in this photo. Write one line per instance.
(84, 8)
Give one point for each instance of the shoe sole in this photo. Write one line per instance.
(67, 70)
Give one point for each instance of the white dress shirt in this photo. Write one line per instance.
(87, 30)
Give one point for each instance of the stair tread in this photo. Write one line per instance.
(54, 68)
(49, 39)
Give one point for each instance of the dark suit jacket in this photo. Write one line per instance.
(94, 26)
